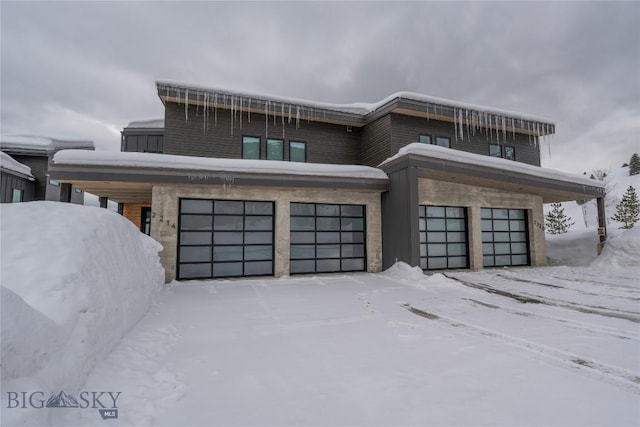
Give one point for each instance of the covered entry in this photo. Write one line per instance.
(225, 238)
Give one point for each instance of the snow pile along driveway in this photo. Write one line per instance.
(75, 280)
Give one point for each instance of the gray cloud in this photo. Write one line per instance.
(86, 69)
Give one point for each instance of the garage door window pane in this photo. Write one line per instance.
(258, 208)
(328, 251)
(518, 248)
(487, 261)
(436, 225)
(303, 223)
(356, 264)
(227, 253)
(259, 268)
(455, 224)
(352, 224)
(302, 237)
(457, 262)
(328, 224)
(196, 206)
(502, 248)
(352, 210)
(456, 249)
(501, 237)
(228, 207)
(258, 237)
(455, 212)
(263, 252)
(303, 251)
(457, 237)
(519, 260)
(227, 238)
(487, 225)
(195, 222)
(195, 238)
(487, 248)
(328, 237)
(436, 237)
(227, 269)
(303, 209)
(195, 254)
(303, 266)
(485, 213)
(227, 223)
(500, 225)
(191, 271)
(327, 265)
(327, 210)
(437, 263)
(259, 223)
(503, 259)
(500, 214)
(352, 251)
(437, 250)
(352, 237)
(517, 225)
(516, 214)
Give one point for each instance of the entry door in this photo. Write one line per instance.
(225, 238)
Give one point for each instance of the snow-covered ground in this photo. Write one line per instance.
(75, 280)
(552, 346)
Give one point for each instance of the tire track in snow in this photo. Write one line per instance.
(613, 375)
(575, 324)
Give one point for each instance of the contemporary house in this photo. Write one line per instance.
(36, 153)
(16, 182)
(237, 184)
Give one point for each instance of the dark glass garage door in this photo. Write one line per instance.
(504, 237)
(225, 238)
(443, 237)
(327, 238)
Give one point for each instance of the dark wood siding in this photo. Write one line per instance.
(8, 182)
(142, 141)
(407, 129)
(39, 169)
(376, 141)
(326, 143)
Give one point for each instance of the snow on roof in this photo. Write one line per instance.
(361, 108)
(443, 153)
(41, 144)
(147, 124)
(166, 161)
(9, 163)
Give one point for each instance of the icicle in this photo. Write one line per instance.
(428, 114)
(460, 124)
(215, 109)
(186, 105)
(249, 110)
(504, 128)
(297, 117)
(204, 110)
(455, 123)
(273, 113)
(513, 128)
(197, 99)
(232, 113)
(466, 113)
(289, 122)
(529, 131)
(241, 105)
(266, 118)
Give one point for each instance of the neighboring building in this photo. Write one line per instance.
(16, 182)
(251, 185)
(36, 152)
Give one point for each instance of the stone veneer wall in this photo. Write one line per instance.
(164, 217)
(440, 193)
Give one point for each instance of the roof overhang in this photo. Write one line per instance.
(133, 184)
(356, 115)
(551, 190)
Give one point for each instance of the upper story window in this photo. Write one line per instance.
(275, 149)
(443, 141)
(297, 151)
(425, 139)
(250, 147)
(54, 183)
(17, 196)
(505, 151)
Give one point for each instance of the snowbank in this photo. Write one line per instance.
(75, 280)
(621, 252)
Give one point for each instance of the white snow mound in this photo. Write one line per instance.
(621, 251)
(75, 280)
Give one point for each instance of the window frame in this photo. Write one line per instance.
(441, 138)
(502, 151)
(304, 143)
(422, 135)
(13, 195)
(271, 140)
(242, 154)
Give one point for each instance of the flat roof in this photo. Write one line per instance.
(40, 145)
(445, 164)
(356, 114)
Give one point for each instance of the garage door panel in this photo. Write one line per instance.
(504, 237)
(225, 238)
(443, 237)
(327, 238)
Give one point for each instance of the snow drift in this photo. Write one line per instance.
(75, 280)
(621, 252)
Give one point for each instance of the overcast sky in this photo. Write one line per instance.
(85, 69)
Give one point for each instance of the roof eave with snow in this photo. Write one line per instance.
(444, 164)
(35, 145)
(357, 114)
(11, 166)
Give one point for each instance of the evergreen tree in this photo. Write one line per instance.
(634, 164)
(556, 221)
(628, 210)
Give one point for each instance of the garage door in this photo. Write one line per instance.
(225, 238)
(327, 238)
(443, 237)
(504, 237)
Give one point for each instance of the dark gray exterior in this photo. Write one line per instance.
(376, 141)
(9, 181)
(400, 236)
(142, 140)
(407, 129)
(39, 169)
(191, 136)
